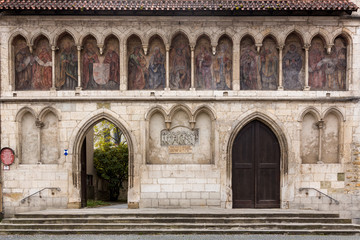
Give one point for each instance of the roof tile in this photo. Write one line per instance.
(178, 5)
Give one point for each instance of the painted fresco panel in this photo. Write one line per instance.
(67, 64)
(146, 71)
(23, 65)
(317, 56)
(204, 64)
(180, 63)
(222, 66)
(336, 68)
(269, 61)
(100, 72)
(293, 63)
(156, 64)
(33, 71)
(138, 74)
(248, 65)
(42, 65)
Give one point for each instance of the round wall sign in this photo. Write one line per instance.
(7, 156)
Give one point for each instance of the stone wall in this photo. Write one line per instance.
(182, 182)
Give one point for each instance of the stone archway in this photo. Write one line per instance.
(275, 127)
(77, 144)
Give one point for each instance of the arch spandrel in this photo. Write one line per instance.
(336, 111)
(134, 32)
(86, 36)
(47, 110)
(38, 36)
(23, 111)
(156, 33)
(180, 107)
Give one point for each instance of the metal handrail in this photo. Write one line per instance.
(331, 198)
(50, 188)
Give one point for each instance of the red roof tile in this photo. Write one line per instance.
(178, 5)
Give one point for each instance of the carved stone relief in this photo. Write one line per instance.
(180, 143)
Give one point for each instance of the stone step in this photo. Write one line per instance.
(153, 226)
(172, 215)
(183, 231)
(172, 220)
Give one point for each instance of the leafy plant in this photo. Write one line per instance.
(111, 164)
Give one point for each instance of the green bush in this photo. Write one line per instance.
(111, 164)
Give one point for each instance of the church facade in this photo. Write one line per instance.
(220, 109)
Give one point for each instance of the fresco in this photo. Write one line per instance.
(23, 64)
(293, 64)
(156, 64)
(42, 65)
(248, 65)
(269, 65)
(100, 72)
(336, 70)
(32, 71)
(317, 54)
(67, 64)
(180, 63)
(204, 65)
(222, 65)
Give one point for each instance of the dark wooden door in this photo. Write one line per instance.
(256, 168)
(83, 174)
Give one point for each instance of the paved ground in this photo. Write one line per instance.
(175, 237)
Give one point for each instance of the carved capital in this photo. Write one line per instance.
(39, 123)
(145, 48)
(320, 124)
(214, 50)
(258, 46)
(31, 48)
(101, 48)
(167, 47)
(79, 47)
(307, 47)
(280, 46)
(328, 48)
(54, 48)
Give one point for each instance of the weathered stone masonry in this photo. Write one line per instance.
(186, 182)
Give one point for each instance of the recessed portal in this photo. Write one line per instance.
(256, 167)
(104, 165)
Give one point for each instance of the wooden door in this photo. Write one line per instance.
(83, 174)
(256, 167)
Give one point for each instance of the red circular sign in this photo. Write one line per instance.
(7, 156)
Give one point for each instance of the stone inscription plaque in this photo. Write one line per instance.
(179, 138)
(180, 149)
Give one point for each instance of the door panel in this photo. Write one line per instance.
(256, 168)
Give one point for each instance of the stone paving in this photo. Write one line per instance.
(175, 237)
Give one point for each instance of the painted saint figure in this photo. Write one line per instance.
(268, 67)
(156, 70)
(138, 74)
(203, 69)
(113, 60)
(223, 67)
(292, 65)
(23, 68)
(68, 67)
(338, 54)
(248, 68)
(89, 58)
(317, 76)
(42, 68)
(180, 74)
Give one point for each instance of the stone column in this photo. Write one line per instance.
(79, 67)
(306, 87)
(53, 49)
(192, 87)
(123, 67)
(280, 87)
(320, 125)
(236, 67)
(167, 85)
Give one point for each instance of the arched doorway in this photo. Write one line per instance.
(104, 164)
(256, 167)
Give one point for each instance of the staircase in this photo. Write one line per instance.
(126, 221)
